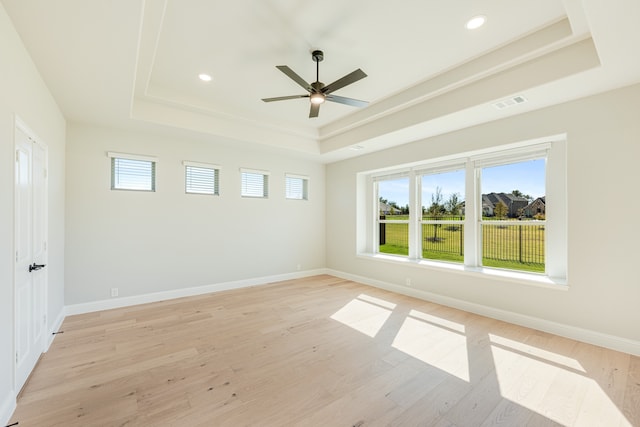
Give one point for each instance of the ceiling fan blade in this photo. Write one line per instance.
(315, 109)
(296, 78)
(283, 98)
(347, 101)
(344, 81)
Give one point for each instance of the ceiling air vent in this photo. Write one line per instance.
(510, 102)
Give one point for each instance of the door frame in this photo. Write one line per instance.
(20, 125)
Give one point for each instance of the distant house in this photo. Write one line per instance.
(387, 209)
(537, 207)
(514, 204)
(487, 206)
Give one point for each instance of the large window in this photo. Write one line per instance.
(132, 172)
(393, 214)
(486, 209)
(442, 222)
(513, 226)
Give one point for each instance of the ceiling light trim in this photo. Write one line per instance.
(475, 22)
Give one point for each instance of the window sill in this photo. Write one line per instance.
(532, 279)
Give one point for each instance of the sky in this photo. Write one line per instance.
(528, 177)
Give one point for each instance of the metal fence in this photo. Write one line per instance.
(513, 245)
(505, 244)
(394, 238)
(442, 238)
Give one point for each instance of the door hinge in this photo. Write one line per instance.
(44, 173)
(16, 357)
(17, 256)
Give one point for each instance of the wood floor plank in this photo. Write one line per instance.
(321, 351)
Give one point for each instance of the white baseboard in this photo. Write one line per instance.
(592, 337)
(7, 407)
(186, 292)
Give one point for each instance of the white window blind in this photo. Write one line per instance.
(296, 187)
(201, 178)
(254, 183)
(132, 172)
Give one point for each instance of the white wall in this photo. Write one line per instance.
(146, 242)
(23, 93)
(603, 150)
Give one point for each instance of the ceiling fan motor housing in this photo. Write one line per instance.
(317, 55)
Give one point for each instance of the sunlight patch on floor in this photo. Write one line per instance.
(454, 326)
(551, 384)
(433, 344)
(365, 314)
(538, 353)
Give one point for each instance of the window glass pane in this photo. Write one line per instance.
(128, 174)
(513, 199)
(443, 200)
(296, 188)
(393, 205)
(200, 180)
(255, 185)
(443, 196)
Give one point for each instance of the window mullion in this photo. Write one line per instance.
(415, 213)
(376, 219)
(473, 207)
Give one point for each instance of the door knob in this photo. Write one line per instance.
(35, 266)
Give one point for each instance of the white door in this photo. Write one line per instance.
(31, 253)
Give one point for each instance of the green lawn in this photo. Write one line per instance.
(516, 247)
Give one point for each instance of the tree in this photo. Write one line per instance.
(453, 205)
(500, 210)
(435, 211)
(519, 193)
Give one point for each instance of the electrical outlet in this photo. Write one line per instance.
(407, 281)
(114, 292)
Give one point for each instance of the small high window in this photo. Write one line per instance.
(201, 178)
(132, 172)
(296, 187)
(254, 183)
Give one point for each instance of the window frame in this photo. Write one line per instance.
(265, 183)
(198, 165)
(114, 157)
(480, 164)
(436, 169)
(378, 221)
(305, 186)
(554, 148)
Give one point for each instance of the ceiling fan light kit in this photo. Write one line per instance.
(318, 92)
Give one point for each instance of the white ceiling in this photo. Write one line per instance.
(134, 63)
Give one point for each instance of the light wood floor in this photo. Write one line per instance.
(321, 351)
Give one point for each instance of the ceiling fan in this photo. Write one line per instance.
(318, 92)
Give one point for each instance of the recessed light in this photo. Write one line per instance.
(476, 22)
(205, 77)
